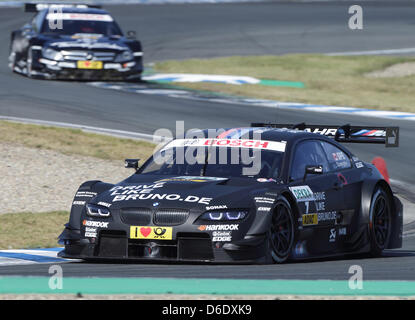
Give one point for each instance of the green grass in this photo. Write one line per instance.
(338, 80)
(31, 230)
(73, 141)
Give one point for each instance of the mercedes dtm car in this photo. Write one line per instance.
(303, 195)
(74, 42)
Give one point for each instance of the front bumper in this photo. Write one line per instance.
(187, 247)
(67, 70)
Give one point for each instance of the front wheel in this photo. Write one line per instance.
(380, 221)
(29, 63)
(281, 233)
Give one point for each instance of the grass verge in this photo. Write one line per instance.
(331, 80)
(73, 141)
(31, 230)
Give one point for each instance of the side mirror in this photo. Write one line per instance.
(313, 170)
(131, 34)
(132, 163)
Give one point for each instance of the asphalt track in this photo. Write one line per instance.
(184, 31)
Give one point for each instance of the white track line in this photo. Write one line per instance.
(111, 132)
(372, 52)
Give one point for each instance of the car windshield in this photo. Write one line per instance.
(74, 24)
(215, 162)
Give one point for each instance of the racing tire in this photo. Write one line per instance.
(380, 221)
(12, 57)
(281, 233)
(29, 63)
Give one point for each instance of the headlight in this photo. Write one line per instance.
(51, 54)
(124, 56)
(228, 215)
(94, 210)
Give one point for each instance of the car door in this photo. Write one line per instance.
(350, 177)
(320, 197)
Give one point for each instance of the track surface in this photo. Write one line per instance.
(184, 31)
(394, 265)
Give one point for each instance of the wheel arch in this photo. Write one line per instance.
(95, 186)
(368, 188)
(293, 203)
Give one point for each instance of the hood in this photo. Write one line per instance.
(87, 42)
(200, 193)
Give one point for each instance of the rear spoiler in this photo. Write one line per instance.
(35, 7)
(389, 136)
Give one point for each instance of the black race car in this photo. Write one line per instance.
(74, 42)
(302, 195)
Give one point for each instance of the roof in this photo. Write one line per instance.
(271, 134)
(83, 10)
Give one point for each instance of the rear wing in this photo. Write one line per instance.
(35, 7)
(389, 136)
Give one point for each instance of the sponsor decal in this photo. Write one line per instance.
(79, 16)
(154, 233)
(85, 194)
(90, 232)
(157, 196)
(192, 179)
(264, 200)
(229, 143)
(221, 236)
(338, 156)
(302, 193)
(320, 206)
(327, 216)
(78, 203)
(322, 131)
(343, 231)
(370, 133)
(319, 196)
(87, 45)
(92, 36)
(104, 204)
(264, 209)
(135, 189)
(310, 219)
(266, 180)
(359, 165)
(217, 207)
(90, 235)
(219, 227)
(332, 237)
(95, 224)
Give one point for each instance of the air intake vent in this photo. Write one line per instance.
(136, 216)
(170, 217)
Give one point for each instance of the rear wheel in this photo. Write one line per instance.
(380, 221)
(281, 233)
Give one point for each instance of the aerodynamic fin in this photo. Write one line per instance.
(389, 136)
(35, 7)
